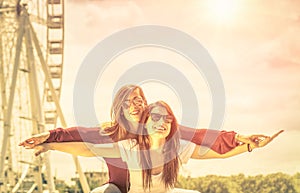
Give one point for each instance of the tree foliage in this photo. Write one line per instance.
(272, 183)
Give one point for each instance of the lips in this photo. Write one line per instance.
(160, 128)
(135, 112)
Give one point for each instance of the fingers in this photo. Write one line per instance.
(253, 143)
(259, 136)
(258, 140)
(276, 134)
(24, 143)
(39, 149)
(27, 145)
(268, 139)
(253, 140)
(34, 143)
(244, 139)
(38, 152)
(30, 143)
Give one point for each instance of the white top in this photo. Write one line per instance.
(129, 154)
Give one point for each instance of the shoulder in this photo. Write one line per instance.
(107, 128)
(186, 143)
(186, 150)
(105, 125)
(128, 144)
(129, 153)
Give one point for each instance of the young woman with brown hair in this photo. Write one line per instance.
(155, 155)
(130, 98)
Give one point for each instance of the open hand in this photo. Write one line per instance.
(35, 140)
(250, 139)
(256, 140)
(267, 140)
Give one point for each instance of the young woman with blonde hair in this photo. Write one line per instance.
(155, 155)
(126, 111)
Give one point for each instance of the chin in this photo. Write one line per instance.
(136, 117)
(160, 135)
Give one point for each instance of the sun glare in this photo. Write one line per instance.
(223, 10)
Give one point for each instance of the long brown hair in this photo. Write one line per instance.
(170, 150)
(116, 129)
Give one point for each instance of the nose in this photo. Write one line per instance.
(161, 121)
(138, 105)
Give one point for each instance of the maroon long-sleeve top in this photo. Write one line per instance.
(219, 141)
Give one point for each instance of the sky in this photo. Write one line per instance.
(255, 45)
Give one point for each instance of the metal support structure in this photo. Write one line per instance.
(82, 178)
(36, 110)
(8, 112)
(3, 97)
(20, 180)
(43, 115)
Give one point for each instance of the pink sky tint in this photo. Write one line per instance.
(257, 53)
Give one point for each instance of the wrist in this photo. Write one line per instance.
(237, 139)
(48, 146)
(46, 135)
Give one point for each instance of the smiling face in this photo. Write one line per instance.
(133, 106)
(159, 122)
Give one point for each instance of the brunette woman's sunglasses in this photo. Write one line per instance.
(156, 117)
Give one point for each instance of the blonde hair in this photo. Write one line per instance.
(116, 129)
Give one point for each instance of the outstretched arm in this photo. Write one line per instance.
(81, 149)
(35, 140)
(72, 134)
(200, 153)
(219, 141)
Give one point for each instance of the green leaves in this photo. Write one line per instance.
(271, 183)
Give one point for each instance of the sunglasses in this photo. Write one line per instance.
(156, 117)
(135, 101)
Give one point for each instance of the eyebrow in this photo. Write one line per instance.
(159, 113)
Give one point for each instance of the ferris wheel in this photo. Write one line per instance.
(31, 63)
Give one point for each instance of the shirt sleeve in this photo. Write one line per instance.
(219, 141)
(186, 150)
(78, 134)
(129, 153)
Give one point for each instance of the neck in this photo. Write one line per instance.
(131, 127)
(157, 143)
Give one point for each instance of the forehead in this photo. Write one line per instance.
(160, 110)
(134, 93)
